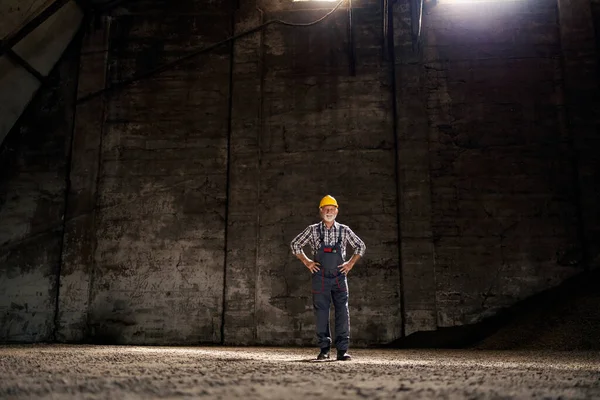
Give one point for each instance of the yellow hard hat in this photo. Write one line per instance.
(328, 201)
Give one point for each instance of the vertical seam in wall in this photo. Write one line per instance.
(392, 52)
(94, 210)
(228, 167)
(351, 44)
(78, 42)
(573, 156)
(261, 71)
(384, 28)
(424, 97)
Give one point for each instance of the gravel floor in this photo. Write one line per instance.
(131, 372)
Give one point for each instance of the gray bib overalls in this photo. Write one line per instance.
(329, 283)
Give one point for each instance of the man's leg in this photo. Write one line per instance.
(321, 304)
(342, 314)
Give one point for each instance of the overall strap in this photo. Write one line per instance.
(339, 242)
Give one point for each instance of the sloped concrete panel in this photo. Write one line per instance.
(42, 49)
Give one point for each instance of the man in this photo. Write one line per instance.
(328, 240)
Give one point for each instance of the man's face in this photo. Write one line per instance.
(329, 213)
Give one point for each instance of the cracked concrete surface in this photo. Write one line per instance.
(130, 372)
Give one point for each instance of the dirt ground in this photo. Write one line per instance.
(130, 372)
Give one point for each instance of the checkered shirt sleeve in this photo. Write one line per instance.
(302, 239)
(357, 244)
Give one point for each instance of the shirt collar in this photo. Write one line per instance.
(336, 225)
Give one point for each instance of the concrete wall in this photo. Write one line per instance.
(161, 212)
(155, 265)
(579, 41)
(33, 172)
(314, 129)
(187, 187)
(504, 210)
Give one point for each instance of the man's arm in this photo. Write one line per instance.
(348, 265)
(359, 250)
(298, 243)
(310, 264)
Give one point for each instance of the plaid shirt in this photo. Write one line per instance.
(330, 236)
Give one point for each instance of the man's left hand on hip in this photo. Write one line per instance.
(346, 267)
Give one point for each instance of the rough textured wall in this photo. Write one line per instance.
(487, 210)
(80, 217)
(240, 324)
(315, 129)
(160, 213)
(157, 272)
(414, 180)
(503, 206)
(33, 171)
(589, 62)
(582, 112)
(184, 199)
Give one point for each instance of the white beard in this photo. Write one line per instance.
(329, 217)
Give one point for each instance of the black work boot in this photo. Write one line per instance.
(324, 354)
(343, 356)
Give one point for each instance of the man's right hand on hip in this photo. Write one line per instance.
(312, 266)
